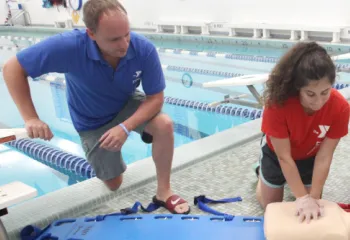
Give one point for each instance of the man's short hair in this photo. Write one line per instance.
(94, 9)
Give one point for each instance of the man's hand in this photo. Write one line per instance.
(38, 129)
(113, 139)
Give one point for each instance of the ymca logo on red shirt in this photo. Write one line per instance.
(323, 131)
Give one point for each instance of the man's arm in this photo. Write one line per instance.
(153, 84)
(149, 108)
(322, 165)
(17, 84)
(288, 166)
(49, 55)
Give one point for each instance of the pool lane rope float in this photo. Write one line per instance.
(54, 157)
(19, 139)
(244, 112)
(244, 57)
(221, 109)
(213, 54)
(201, 71)
(222, 73)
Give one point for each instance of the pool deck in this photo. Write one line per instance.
(228, 175)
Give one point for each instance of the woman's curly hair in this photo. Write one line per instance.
(304, 62)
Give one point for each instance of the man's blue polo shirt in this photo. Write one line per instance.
(95, 92)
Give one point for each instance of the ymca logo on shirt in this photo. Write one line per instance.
(137, 76)
(323, 131)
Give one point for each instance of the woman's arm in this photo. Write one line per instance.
(324, 156)
(288, 166)
(322, 165)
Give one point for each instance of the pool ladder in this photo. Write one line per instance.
(20, 13)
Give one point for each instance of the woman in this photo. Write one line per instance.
(303, 121)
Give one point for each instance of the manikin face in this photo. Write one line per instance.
(113, 34)
(315, 94)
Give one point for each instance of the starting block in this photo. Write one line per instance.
(247, 80)
(12, 134)
(11, 194)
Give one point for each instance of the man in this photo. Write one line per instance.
(103, 65)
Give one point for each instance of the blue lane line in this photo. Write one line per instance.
(191, 133)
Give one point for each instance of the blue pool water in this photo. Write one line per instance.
(189, 124)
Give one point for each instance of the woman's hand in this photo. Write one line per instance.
(308, 208)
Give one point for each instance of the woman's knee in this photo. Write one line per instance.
(266, 194)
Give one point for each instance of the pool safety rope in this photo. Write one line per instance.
(203, 71)
(54, 157)
(244, 57)
(222, 73)
(244, 112)
(221, 109)
(339, 86)
(252, 58)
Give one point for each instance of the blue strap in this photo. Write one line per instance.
(201, 201)
(126, 211)
(31, 232)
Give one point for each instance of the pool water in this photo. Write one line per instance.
(189, 124)
(16, 166)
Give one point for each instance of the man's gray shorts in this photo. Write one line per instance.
(107, 164)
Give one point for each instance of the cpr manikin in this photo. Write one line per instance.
(280, 222)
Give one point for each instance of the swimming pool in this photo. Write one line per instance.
(190, 124)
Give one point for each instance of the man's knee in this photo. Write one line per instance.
(160, 125)
(166, 123)
(114, 183)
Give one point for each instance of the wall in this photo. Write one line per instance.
(40, 15)
(269, 11)
(3, 11)
(320, 12)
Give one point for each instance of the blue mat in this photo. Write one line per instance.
(127, 224)
(155, 226)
